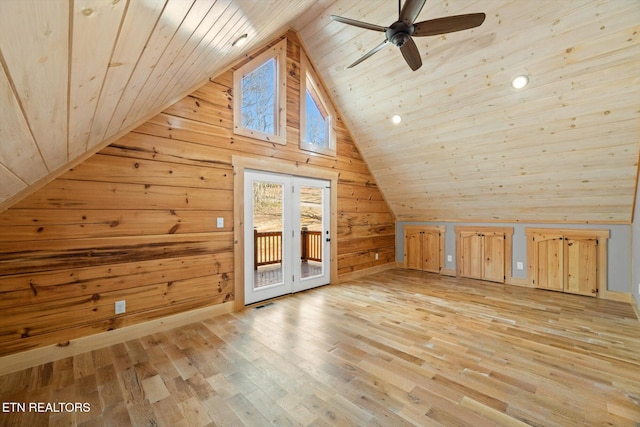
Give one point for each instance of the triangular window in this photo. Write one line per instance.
(317, 119)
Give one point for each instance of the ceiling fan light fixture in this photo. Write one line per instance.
(240, 40)
(520, 81)
(396, 119)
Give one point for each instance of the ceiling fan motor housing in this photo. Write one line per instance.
(399, 32)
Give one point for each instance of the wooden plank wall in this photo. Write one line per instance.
(137, 221)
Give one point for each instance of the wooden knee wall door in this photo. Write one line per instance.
(424, 247)
(567, 260)
(484, 253)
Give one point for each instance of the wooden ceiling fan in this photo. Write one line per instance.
(400, 33)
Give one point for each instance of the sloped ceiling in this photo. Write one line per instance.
(76, 75)
(565, 148)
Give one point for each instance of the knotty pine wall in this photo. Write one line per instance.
(137, 221)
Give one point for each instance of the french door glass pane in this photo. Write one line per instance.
(267, 233)
(311, 238)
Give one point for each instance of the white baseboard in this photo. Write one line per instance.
(39, 356)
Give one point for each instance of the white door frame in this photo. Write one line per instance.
(241, 163)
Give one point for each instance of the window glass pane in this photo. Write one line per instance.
(311, 232)
(316, 132)
(258, 98)
(268, 223)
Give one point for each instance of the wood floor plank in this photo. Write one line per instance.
(155, 389)
(398, 348)
(194, 413)
(221, 413)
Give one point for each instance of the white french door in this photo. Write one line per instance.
(311, 225)
(287, 241)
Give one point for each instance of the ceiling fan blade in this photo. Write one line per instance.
(370, 53)
(448, 24)
(411, 10)
(360, 24)
(411, 54)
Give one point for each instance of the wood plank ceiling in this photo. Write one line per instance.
(76, 75)
(565, 148)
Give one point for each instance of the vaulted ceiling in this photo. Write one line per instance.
(76, 75)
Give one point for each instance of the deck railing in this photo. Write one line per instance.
(268, 247)
(311, 245)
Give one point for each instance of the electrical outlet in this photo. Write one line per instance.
(121, 307)
(376, 256)
(520, 265)
(449, 258)
(220, 223)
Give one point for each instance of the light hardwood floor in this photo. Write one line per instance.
(398, 348)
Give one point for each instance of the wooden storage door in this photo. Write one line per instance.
(431, 251)
(548, 253)
(493, 256)
(484, 253)
(423, 247)
(471, 252)
(568, 260)
(580, 268)
(413, 248)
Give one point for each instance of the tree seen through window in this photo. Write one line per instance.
(259, 98)
(317, 116)
(316, 123)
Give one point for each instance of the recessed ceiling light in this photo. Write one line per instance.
(520, 81)
(396, 119)
(240, 40)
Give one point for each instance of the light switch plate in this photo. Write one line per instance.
(121, 307)
(220, 223)
(520, 265)
(449, 258)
